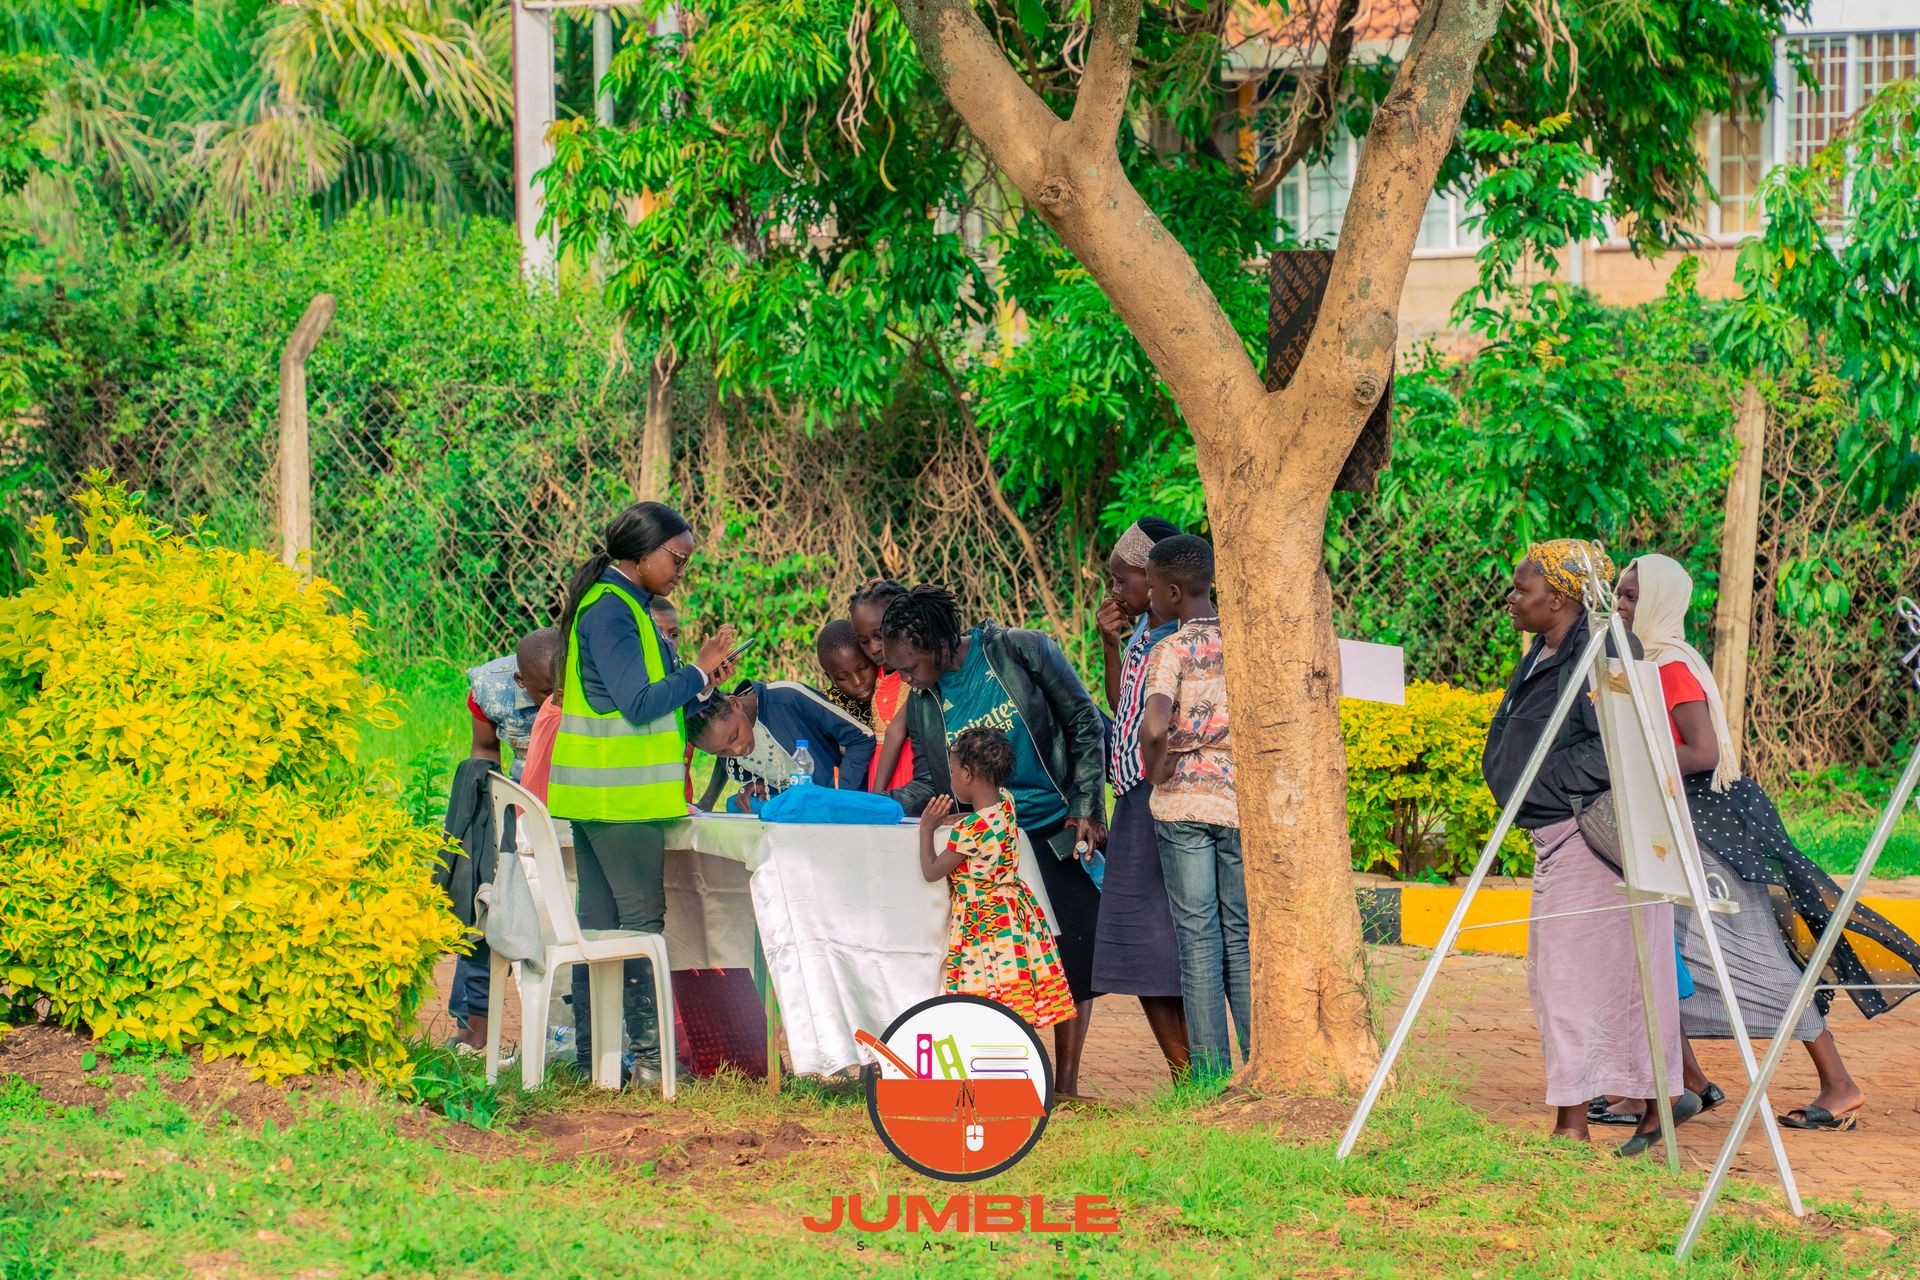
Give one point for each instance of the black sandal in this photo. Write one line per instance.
(1817, 1117)
(1711, 1096)
(1600, 1111)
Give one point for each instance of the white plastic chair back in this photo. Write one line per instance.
(550, 873)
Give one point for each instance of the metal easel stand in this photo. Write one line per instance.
(1816, 965)
(1601, 604)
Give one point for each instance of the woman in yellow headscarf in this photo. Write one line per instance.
(1580, 954)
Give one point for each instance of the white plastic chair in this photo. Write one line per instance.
(604, 952)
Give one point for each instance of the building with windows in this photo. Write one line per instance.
(1851, 49)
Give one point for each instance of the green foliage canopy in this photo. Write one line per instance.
(1835, 276)
(790, 197)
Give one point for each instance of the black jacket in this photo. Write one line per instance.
(1058, 712)
(1576, 768)
(470, 824)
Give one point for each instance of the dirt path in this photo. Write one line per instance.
(1478, 1035)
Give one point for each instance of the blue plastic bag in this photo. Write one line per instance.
(831, 805)
(1682, 978)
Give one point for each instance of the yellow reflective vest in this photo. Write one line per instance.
(606, 768)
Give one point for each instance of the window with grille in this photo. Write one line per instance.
(1737, 156)
(1311, 202)
(1847, 71)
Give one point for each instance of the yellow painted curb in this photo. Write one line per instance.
(1426, 908)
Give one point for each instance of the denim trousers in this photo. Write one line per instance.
(472, 979)
(622, 867)
(1207, 890)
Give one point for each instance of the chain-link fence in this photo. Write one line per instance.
(453, 514)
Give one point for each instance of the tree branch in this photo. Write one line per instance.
(1091, 205)
(1350, 355)
(999, 107)
(1101, 103)
(1310, 114)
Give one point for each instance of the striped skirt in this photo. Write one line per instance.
(1764, 975)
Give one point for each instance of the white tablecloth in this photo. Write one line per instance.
(854, 935)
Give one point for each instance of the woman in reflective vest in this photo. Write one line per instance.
(619, 768)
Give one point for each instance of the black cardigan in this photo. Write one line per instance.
(1575, 770)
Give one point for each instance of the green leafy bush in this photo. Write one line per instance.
(187, 856)
(1415, 800)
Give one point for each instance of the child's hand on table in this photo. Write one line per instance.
(936, 866)
(938, 810)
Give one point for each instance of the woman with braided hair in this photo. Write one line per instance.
(1580, 952)
(1020, 683)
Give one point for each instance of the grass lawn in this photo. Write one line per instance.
(161, 1168)
(434, 734)
(1836, 840)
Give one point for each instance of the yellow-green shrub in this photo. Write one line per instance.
(1415, 800)
(187, 854)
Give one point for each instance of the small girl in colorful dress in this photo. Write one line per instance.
(999, 944)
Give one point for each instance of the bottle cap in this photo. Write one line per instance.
(800, 745)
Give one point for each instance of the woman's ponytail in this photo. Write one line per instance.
(583, 579)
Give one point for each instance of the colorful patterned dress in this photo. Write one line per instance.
(999, 944)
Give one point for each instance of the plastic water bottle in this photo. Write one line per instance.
(1096, 865)
(802, 775)
(560, 1019)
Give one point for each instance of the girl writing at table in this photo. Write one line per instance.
(998, 942)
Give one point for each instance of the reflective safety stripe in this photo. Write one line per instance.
(613, 726)
(617, 776)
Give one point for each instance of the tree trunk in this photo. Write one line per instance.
(1290, 768)
(656, 436)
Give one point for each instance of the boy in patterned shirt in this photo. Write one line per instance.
(1189, 760)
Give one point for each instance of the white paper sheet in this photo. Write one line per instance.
(1374, 672)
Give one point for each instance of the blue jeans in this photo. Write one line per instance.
(1207, 889)
(472, 977)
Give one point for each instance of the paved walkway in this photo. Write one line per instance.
(1477, 1034)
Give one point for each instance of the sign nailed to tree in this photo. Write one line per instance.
(1297, 280)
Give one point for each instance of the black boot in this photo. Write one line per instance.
(582, 1022)
(642, 1013)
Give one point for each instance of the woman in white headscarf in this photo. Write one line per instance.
(1747, 849)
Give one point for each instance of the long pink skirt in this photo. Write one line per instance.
(1581, 977)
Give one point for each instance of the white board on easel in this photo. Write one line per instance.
(1650, 850)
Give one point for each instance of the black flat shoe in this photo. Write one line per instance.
(1684, 1109)
(1710, 1097)
(1817, 1117)
(1600, 1111)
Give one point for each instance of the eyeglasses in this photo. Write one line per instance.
(679, 561)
